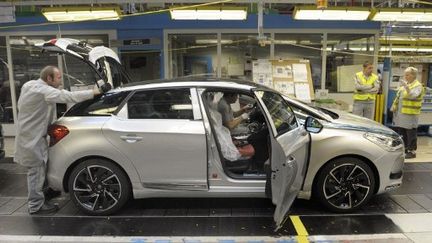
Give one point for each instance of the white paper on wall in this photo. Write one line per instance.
(285, 87)
(284, 71)
(302, 91)
(300, 72)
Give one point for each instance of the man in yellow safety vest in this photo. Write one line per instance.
(406, 109)
(367, 86)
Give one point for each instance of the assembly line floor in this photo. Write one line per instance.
(404, 215)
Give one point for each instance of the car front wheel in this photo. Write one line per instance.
(345, 184)
(98, 187)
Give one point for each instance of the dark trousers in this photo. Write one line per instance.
(259, 141)
(409, 137)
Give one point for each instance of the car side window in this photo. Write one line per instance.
(281, 113)
(161, 104)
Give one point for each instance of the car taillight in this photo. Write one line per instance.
(56, 133)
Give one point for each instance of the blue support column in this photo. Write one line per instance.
(386, 87)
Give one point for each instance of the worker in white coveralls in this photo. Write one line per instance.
(36, 111)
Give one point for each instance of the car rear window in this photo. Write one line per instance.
(104, 105)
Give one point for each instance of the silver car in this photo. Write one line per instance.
(157, 139)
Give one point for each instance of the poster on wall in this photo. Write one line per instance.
(285, 87)
(300, 72)
(302, 91)
(282, 71)
(263, 79)
(262, 72)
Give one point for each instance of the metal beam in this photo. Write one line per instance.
(95, 2)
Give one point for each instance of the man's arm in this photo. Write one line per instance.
(376, 87)
(233, 123)
(54, 95)
(361, 87)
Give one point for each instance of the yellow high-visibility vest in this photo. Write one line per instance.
(362, 95)
(410, 106)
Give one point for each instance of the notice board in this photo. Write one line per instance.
(291, 77)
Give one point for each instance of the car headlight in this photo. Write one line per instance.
(389, 143)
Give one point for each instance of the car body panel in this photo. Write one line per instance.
(85, 139)
(172, 153)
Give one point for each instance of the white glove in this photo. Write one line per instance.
(245, 116)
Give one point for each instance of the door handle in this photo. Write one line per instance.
(131, 138)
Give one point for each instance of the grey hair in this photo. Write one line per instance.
(412, 70)
(48, 71)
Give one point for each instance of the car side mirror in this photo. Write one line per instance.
(313, 125)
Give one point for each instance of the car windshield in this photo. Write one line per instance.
(281, 113)
(301, 107)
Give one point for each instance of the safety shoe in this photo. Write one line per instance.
(47, 208)
(50, 193)
(410, 155)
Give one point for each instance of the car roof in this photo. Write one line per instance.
(205, 82)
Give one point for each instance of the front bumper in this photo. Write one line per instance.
(390, 170)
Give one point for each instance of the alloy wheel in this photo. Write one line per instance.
(97, 188)
(346, 186)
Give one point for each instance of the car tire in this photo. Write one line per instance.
(344, 184)
(98, 187)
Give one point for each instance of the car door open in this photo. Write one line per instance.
(289, 153)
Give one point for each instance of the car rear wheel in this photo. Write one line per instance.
(345, 184)
(98, 187)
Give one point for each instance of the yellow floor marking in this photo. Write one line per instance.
(302, 233)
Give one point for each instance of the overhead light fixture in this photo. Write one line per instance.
(421, 26)
(209, 13)
(405, 40)
(212, 41)
(81, 13)
(330, 13)
(407, 48)
(401, 15)
(284, 42)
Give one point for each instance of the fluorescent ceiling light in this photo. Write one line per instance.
(331, 13)
(407, 48)
(209, 14)
(351, 49)
(285, 42)
(212, 41)
(413, 26)
(386, 49)
(402, 15)
(81, 13)
(405, 40)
